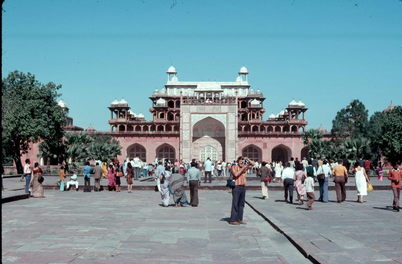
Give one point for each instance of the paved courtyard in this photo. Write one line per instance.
(109, 227)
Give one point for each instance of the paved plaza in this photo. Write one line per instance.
(110, 227)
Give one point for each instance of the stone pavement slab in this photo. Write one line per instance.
(349, 232)
(110, 227)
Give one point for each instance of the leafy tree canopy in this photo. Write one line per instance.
(390, 141)
(29, 112)
(351, 121)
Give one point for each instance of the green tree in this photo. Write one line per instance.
(355, 148)
(390, 141)
(104, 148)
(351, 121)
(310, 135)
(374, 133)
(29, 113)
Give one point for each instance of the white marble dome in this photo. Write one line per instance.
(272, 115)
(115, 102)
(161, 101)
(300, 103)
(122, 101)
(140, 115)
(255, 102)
(171, 69)
(243, 70)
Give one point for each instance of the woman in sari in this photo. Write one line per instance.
(111, 176)
(299, 183)
(177, 184)
(129, 177)
(36, 183)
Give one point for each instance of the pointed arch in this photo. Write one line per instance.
(253, 152)
(137, 150)
(166, 151)
(281, 153)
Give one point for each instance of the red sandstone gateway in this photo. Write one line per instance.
(220, 120)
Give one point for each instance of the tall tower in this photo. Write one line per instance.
(243, 73)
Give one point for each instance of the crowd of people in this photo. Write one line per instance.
(172, 178)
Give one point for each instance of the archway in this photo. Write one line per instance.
(208, 132)
(137, 150)
(304, 152)
(253, 152)
(166, 151)
(281, 153)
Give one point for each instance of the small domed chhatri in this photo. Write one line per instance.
(243, 70)
(171, 69)
(62, 104)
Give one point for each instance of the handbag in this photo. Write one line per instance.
(119, 174)
(268, 179)
(321, 176)
(369, 187)
(41, 179)
(230, 183)
(156, 189)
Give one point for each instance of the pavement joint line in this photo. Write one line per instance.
(291, 240)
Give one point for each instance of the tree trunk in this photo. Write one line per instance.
(18, 164)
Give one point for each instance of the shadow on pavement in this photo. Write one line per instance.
(386, 208)
(226, 219)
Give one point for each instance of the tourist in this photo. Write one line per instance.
(73, 181)
(224, 169)
(177, 183)
(304, 162)
(36, 182)
(111, 176)
(278, 171)
(367, 167)
(27, 175)
(300, 176)
(323, 174)
(176, 166)
(340, 178)
(136, 163)
(379, 172)
(118, 175)
(97, 177)
(292, 163)
(395, 176)
(361, 179)
(219, 168)
(361, 162)
(150, 170)
(309, 183)
(62, 177)
(314, 162)
(208, 170)
(87, 177)
(311, 170)
(239, 173)
(160, 169)
(288, 175)
(265, 174)
(163, 187)
(104, 170)
(194, 180)
(129, 177)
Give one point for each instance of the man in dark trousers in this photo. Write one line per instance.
(97, 177)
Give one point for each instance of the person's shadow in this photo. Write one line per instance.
(386, 208)
(225, 219)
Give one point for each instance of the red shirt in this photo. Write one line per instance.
(396, 177)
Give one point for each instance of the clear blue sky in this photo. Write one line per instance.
(325, 53)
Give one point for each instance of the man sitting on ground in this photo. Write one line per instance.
(72, 181)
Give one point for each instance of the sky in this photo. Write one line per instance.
(324, 53)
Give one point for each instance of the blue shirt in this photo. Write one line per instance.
(208, 165)
(87, 171)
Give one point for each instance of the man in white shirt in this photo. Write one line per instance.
(288, 175)
(136, 163)
(27, 174)
(208, 170)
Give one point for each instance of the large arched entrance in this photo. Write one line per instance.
(208, 139)
(166, 152)
(136, 150)
(304, 152)
(252, 152)
(281, 153)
